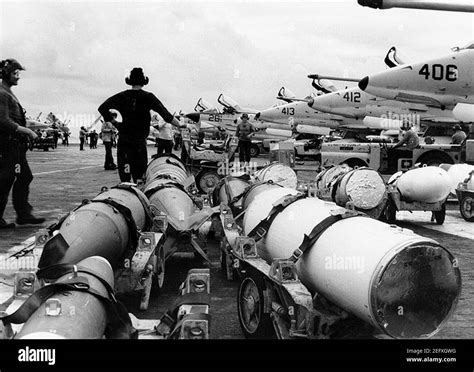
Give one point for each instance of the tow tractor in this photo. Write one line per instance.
(376, 155)
(207, 163)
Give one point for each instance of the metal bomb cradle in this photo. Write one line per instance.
(205, 162)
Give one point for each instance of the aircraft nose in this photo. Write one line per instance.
(257, 116)
(195, 116)
(377, 4)
(364, 83)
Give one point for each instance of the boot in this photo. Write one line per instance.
(29, 219)
(5, 225)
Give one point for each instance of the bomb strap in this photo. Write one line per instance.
(320, 228)
(119, 324)
(169, 323)
(259, 231)
(251, 187)
(168, 185)
(142, 198)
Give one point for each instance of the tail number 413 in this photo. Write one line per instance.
(440, 72)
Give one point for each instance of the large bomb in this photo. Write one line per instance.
(167, 165)
(363, 187)
(73, 314)
(106, 226)
(403, 284)
(426, 184)
(230, 188)
(458, 173)
(166, 177)
(278, 173)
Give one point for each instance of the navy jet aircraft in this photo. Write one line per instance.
(229, 117)
(357, 104)
(445, 83)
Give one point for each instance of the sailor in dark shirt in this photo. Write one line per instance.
(134, 106)
(244, 133)
(14, 168)
(459, 135)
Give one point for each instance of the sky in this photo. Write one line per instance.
(78, 53)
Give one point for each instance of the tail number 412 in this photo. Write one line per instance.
(440, 72)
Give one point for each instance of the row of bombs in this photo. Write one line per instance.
(400, 283)
(124, 224)
(116, 243)
(365, 189)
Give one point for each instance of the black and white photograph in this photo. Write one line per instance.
(237, 183)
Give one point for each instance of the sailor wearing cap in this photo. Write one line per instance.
(459, 135)
(244, 132)
(14, 136)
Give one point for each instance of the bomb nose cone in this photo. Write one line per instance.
(435, 286)
(364, 83)
(257, 116)
(195, 116)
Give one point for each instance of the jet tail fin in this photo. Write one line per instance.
(286, 95)
(391, 59)
(203, 105)
(323, 86)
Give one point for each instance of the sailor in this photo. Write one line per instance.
(14, 136)
(407, 143)
(82, 138)
(107, 133)
(459, 135)
(164, 138)
(244, 132)
(134, 106)
(410, 138)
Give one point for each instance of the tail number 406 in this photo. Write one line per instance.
(440, 72)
